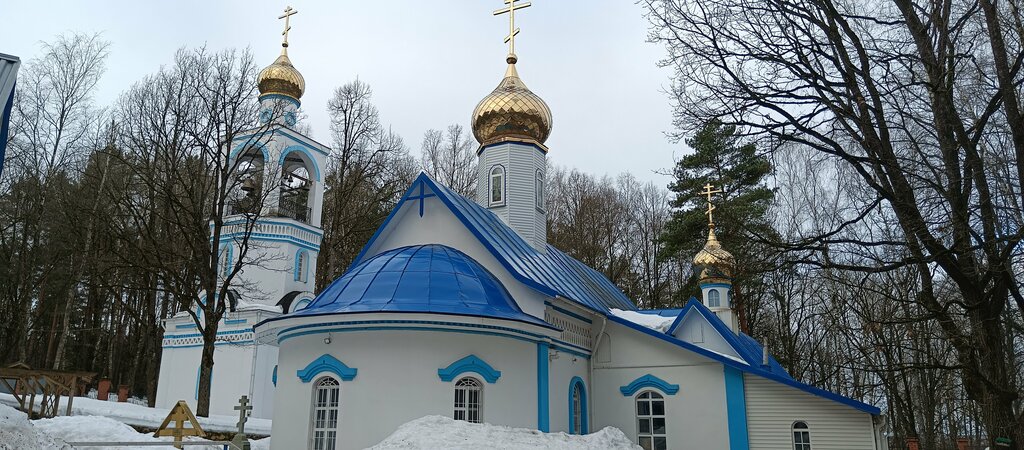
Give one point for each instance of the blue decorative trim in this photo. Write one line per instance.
(302, 149)
(500, 331)
(543, 375)
(649, 381)
(229, 258)
(747, 368)
(292, 100)
(272, 238)
(280, 131)
(262, 146)
(326, 363)
(265, 221)
(235, 322)
(584, 427)
(187, 326)
(216, 344)
(273, 376)
(736, 407)
(568, 313)
(219, 333)
(469, 363)
(711, 285)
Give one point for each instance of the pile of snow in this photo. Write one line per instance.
(144, 416)
(652, 321)
(18, 433)
(433, 432)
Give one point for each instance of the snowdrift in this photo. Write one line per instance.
(434, 432)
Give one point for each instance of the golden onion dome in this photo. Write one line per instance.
(511, 112)
(282, 78)
(715, 260)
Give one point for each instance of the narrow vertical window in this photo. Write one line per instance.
(497, 185)
(326, 401)
(301, 262)
(225, 261)
(801, 436)
(469, 400)
(650, 421)
(540, 190)
(714, 298)
(577, 405)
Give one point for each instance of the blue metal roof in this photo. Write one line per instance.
(419, 279)
(552, 272)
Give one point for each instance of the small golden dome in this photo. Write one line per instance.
(716, 262)
(511, 112)
(282, 78)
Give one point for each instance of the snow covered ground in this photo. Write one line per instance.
(436, 432)
(652, 321)
(19, 433)
(144, 416)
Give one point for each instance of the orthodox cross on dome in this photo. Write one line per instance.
(708, 190)
(288, 13)
(512, 30)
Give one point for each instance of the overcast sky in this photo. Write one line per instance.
(428, 62)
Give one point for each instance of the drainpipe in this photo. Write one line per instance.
(590, 384)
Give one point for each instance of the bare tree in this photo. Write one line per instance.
(901, 95)
(450, 158)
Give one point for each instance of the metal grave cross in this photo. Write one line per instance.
(243, 409)
(512, 30)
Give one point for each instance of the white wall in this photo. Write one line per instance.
(698, 331)
(696, 415)
(773, 407)
(397, 381)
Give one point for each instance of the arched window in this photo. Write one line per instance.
(497, 195)
(469, 400)
(714, 298)
(540, 190)
(577, 408)
(225, 260)
(326, 401)
(301, 265)
(801, 436)
(650, 421)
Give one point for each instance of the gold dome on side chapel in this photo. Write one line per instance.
(715, 261)
(282, 78)
(511, 112)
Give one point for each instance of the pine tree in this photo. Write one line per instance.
(741, 214)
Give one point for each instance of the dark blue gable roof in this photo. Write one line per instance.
(552, 272)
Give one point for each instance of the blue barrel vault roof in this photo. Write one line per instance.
(419, 279)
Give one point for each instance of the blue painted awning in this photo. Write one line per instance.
(419, 279)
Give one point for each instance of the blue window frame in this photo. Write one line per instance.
(577, 407)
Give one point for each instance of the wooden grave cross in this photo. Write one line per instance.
(180, 414)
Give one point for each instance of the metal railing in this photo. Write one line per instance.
(227, 445)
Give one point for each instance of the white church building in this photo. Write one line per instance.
(460, 307)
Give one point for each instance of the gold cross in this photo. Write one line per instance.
(512, 30)
(288, 13)
(708, 190)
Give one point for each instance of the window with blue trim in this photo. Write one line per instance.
(801, 436)
(650, 421)
(577, 413)
(326, 407)
(497, 194)
(714, 298)
(469, 400)
(225, 260)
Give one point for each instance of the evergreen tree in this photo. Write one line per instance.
(741, 214)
